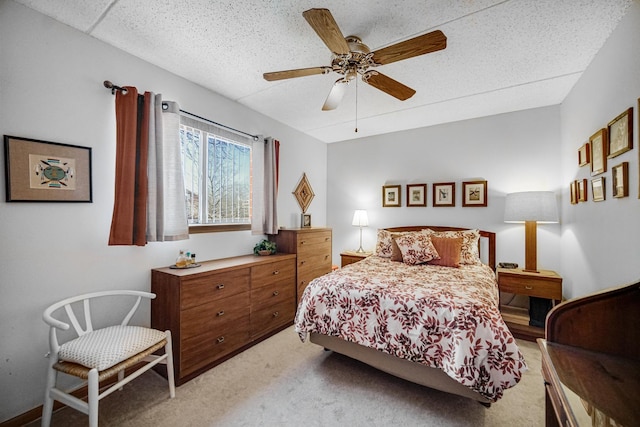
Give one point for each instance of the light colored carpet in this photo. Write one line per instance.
(284, 382)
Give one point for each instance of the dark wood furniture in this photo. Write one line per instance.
(349, 257)
(591, 360)
(543, 284)
(221, 308)
(312, 246)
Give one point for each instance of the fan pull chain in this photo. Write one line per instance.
(356, 105)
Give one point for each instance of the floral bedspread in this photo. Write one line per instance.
(443, 317)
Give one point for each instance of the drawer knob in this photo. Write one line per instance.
(276, 272)
(276, 293)
(220, 286)
(220, 340)
(528, 287)
(276, 314)
(302, 262)
(220, 313)
(302, 242)
(326, 239)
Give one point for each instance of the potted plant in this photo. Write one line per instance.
(265, 247)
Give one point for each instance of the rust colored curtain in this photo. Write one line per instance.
(271, 177)
(128, 223)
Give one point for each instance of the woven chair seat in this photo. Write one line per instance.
(80, 371)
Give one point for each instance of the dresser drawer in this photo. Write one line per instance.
(312, 239)
(207, 287)
(275, 272)
(273, 294)
(315, 261)
(202, 350)
(203, 318)
(269, 318)
(534, 287)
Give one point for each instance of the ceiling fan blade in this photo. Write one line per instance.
(300, 72)
(416, 46)
(388, 85)
(325, 26)
(335, 95)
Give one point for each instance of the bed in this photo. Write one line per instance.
(435, 322)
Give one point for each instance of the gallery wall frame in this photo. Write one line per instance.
(573, 191)
(620, 180)
(599, 146)
(584, 154)
(582, 190)
(598, 189)
(620, 131)
(416, 195)
(45, 171)
(391, 196)
(474, 194)
(444, 194)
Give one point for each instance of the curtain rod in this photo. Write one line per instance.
(114, 88)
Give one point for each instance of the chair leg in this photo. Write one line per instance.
(169, 351)
(47, 407)
(93, 389)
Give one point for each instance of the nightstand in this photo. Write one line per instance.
(349, 257)
(545, 284)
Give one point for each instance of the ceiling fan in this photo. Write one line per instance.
(352, 57)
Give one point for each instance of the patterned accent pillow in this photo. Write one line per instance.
(469, 253)
(384, 244)
(106, 347)
(416, 248)
(449, 249)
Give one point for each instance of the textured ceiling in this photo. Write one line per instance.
(501, 56)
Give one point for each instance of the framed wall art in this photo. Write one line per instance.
(444, 194)
(304, 193)
(599, 145)
(582, 190)
(416, 195)
(391, 196)
(43, 171)
(305, 220)
(597, 189)
(620, 132)
(584, 155)
(573, 190)
(474, 193)
(620, 175)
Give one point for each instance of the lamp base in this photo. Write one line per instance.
(360, 250)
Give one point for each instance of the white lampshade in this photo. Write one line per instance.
(360, 219)
(539, 206)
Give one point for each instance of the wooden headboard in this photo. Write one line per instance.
(489, 235)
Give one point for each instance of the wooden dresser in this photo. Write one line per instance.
(313, 248)
(221, 308)
(591, 360)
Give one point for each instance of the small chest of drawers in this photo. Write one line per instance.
(313, 249)
(221, 308)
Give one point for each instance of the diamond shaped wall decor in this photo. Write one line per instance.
(304, 193)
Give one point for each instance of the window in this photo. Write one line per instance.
(217, 167)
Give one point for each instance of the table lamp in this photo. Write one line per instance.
(531, 207)
(360, 220)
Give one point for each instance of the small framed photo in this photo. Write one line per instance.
(444, 194)
(598, 143)
(391, 196)
(620, 180)
(573, 190)
(584, 155)
(474, 193)
(597, 189)
(305, 220)
(582, 190)
(416, 195)
(620, 132)
(43, 171)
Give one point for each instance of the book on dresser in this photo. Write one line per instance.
(221, 308)
(312, 247)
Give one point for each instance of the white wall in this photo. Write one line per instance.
(51, 89)
(600, 240)
(513, 152)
